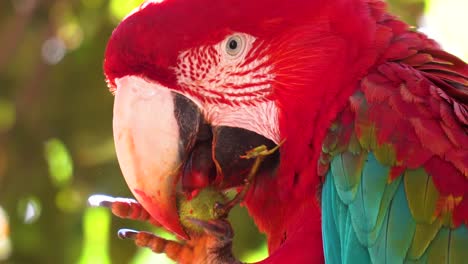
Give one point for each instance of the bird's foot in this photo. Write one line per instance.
(125, 208)
(214, 246)
(261, 151)
(184, 253)
(211, 247)
(219, 235)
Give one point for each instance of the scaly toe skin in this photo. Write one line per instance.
(219, 240)
(126, 208)
(179, 252)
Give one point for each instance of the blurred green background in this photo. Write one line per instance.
(56, 146)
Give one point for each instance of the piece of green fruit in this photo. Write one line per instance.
(200, 207)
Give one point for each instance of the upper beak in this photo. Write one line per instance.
(150, 137)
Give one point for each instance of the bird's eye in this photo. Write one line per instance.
(234, 45)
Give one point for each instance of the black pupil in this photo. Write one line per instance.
(233, 44)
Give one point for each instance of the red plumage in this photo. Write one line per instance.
(426, 89)
(346, 57)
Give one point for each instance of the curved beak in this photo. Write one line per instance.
(150, 136)
(166, 149)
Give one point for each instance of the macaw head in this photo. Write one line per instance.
(198, 83)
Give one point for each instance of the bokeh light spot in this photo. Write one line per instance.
(72, 35)
(7, 115)
(24, 6)
(144, 255)
(5, 244)
(93, 4)
(121, 8)
(53, 50)
(441, 21)
(96, 224)
(69, 200)
(29, 209)
(59, 161)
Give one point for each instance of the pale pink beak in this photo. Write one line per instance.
(148, 144)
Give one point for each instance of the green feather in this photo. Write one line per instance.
(365, 208)
(367, 219)
(365, 129)
(353, 144)
(423, 236)
(422, 260)
(368, 238)
(367, 137)
(330, 141)
(347, 169)
(371, 190)
(422, 195)
(395, 238)
(459, 245)
(385, 154)
(449, 246)
(438, 251)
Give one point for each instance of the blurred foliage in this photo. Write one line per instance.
(56, 145)
(408, 10)
(445, 21)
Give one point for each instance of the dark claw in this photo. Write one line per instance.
(107, 204)
(127, 234)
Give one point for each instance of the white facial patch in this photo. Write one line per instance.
(232, 89)
(261, 118)
(217, 76)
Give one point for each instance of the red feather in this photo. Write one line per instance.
(326, 56)
(461, 211)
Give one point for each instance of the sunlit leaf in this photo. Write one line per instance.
(409, 11)
(96, 224)
(249, 244)
(257, 254)
(69, 200)
(72, 34)
(29, 209)
(445, 21)
(5, 244)
(120, 8)
(145, 256)
(92, 3)
(59, 161)
(96, 151)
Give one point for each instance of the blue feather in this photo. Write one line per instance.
(366, 219)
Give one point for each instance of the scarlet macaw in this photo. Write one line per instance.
(373, 114)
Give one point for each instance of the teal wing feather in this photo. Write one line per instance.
(396, 187)
(379, 226)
